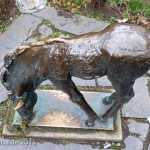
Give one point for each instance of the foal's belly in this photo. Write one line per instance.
(87, 70)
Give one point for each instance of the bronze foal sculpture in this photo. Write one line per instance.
(121, 51)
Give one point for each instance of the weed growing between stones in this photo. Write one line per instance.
(56, 33)
(95, 15)
(4, 108)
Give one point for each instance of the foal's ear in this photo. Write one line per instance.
(8, 59)
(147, 62)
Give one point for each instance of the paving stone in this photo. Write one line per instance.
(148, 147)
(11, 144)
(27, 144)
(62, 36)
(139, 128)
(3, 93)
(138, 106)
(133, 143)
(45, 31)
(81, 82)
(47, 82)
(17, 32)
(103, 81)
(72, 23)
(30, 40)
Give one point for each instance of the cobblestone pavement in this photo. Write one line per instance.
(46, 23)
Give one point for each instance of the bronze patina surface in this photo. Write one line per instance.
(54, 109)
(121, 51)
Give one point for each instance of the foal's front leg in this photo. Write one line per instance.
(76, 97)
(24, 100)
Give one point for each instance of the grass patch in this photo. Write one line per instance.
(3, 111)
(95, 15)
(139, 7)
(56, 34)
(132, 7)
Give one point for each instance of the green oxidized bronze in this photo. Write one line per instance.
(121, 51)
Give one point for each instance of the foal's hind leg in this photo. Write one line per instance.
(109, 99)
(124, 92)
(76, 97)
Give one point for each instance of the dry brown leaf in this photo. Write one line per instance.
(72, 10)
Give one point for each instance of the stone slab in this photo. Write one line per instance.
(139, 128)
(30, 144)
(103, 81)
(139, 105)
(77, 81)
(45, 31)
(63, 36)
(72, 23)
(81, 82)
(3, 93)
(54, 109)
(82, 135)
(30, 40)
(46, 82)
(17, 33)
(148, 147)
(72, 134)
(133, 143)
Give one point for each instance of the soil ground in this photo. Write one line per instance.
(8, 10)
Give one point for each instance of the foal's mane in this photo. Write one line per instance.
(21, 49)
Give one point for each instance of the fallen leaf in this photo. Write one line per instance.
(107, 144)
(148, 119)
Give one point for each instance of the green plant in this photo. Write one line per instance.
(135, 7)
(73, 6)
(115, 147)
(99, 17)
(117, 2)
(91, 15)
(3, 27)
(95, 15)
(46, 22)
(24, 127)
(147, 10)
(77, 11)
(56, 34)
(111, 19)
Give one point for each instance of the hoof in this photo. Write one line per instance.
(25, 115)
(106, 101)
(101, 120)
(89, 124)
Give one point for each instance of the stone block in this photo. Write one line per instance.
(17, 33)
(71, 23)
(139, 128)
(81, 82)
(79, 134)
(103, 81)
(45, 31)
(139, 105)
(133, 143)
